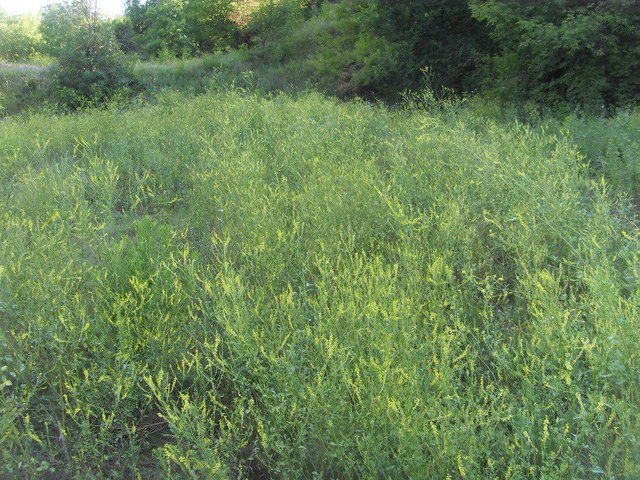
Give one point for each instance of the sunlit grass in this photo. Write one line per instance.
(234, 285)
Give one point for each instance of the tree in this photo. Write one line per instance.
(439, 35)
(209, 24)
(182, 27)
(384, 45)
(91, 68)
(19, 37)
(576, 52)
(61, 23)
(126, 36)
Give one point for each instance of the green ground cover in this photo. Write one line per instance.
(243, 285)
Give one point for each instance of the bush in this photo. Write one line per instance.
(571, 55)
(91, 72)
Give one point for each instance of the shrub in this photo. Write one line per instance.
(91, 71)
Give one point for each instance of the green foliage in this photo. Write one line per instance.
(194, 75)
(559, 55)
(583, 55)
(182, 27)
(569, 56)
(91, 68)
(19, 37)
(125, 35)
(22, 87)
(440, 36)
(168, 28)
(372, 48)
(238, 286)
(83, 78)
(355, 52)
(612, 146)
(209, 24)
(61, 23)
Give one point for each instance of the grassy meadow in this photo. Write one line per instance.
(240, 285)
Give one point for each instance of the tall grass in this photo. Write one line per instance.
(235, 285)
(613, 147)
(21, 87)
(193, 75)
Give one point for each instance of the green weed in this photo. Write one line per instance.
(243, 286)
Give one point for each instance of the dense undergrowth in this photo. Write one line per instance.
(612, 146)
(22, 87)
(238, 285)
